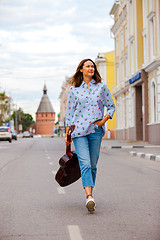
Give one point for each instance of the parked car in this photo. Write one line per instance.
(14, 134)
(26, 134)
(5, 134)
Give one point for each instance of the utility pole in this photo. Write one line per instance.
(16, 117)
(9, 111)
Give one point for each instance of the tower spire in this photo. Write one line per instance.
(44, 89)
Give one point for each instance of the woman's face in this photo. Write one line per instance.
(88, 69)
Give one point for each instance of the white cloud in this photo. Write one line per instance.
(44, 40)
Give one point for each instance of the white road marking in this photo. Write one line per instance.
(1, 147)
(48, 157)
(74, 232)
(50, 163)
(61, 190)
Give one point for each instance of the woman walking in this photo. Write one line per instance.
(87, 98)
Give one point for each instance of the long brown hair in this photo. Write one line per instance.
(77, 78)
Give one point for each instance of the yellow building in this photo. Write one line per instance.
(105, 65)
(136, 31)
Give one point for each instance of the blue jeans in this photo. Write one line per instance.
(87, 149)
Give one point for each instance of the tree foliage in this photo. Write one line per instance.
(25, 119)
(19, 117)
(3, 108)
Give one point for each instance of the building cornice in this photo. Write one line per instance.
(114, 8)
(151, 66)
(100, 60)
(115, 27)
(131, 39)
(151, 15)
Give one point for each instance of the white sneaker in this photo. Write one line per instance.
(90, 204)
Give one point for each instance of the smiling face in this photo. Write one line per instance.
(88, 69)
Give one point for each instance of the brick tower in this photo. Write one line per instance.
(45, 115)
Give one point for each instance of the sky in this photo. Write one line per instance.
(43, 41)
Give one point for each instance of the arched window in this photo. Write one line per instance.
(153, 102)
(118, 115)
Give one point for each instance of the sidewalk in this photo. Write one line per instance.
(138, 148)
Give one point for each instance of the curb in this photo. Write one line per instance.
(146, 156)
(125, 147)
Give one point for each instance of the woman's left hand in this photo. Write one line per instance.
(100, 123)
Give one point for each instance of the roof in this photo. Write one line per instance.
(45, 105)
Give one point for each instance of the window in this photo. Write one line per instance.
(126, 36)
(117, 47)
(131, 18)
(117, 74)
(122, 41)
(152, 38)
(122, 65)
(127, 112)
(145, 13)
(132, 58)
(117, 115)
(122, 114)
(153, 102)
(126, 66)
(151, 5)
(145, 48)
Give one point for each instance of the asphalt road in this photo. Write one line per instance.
(34, 207)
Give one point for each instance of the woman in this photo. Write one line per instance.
(85, 109)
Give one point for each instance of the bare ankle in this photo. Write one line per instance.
(89, 195)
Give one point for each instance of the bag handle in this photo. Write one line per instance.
(68, 147)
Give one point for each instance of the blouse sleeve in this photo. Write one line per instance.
(70, 107)
(108, 101)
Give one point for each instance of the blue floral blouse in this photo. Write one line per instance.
(85, 106)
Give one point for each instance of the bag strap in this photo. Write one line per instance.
(68, 147)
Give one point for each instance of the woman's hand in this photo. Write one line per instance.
(67, 130)
(67, 142)
(100, 123)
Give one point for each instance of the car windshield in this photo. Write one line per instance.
(3, 129)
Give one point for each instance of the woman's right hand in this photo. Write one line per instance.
(67, 142)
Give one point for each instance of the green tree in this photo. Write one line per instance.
(3, 108)
(25, 119)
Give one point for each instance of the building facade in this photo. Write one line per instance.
(136, 32)
(63, 101)
(45, 115)
(105, 66)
